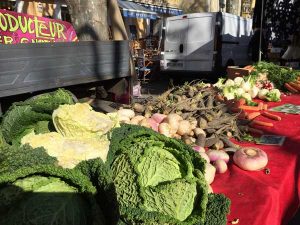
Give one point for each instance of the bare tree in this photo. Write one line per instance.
(89, 18)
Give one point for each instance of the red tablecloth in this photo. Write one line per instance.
(260, 199)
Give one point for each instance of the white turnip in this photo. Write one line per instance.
(214, 155)
(251, 159)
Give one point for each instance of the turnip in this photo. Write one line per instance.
(221, 166)
(138, 107)
(193, 124)
(158, 117)
(214, 155)
(210, 190)
(135, 120)
(153, 124)
(173, 120)
(219, 145)
(210, 172)
(145, 123)
(184, 127)
(126, 113)
(164, 128)
(204, 156)
(198, 131)
(250, 159)
(124, 119)
(198, 148)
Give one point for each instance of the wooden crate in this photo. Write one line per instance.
(233, 72)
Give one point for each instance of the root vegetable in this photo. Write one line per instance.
(214, 155)
(153, 124)
(138, 107)
(229, 134)
(229, 143)
(200, 141)
(192, 134)
(202, 123)
(230, 150)
(177, 136)
(199, 131)
(135, 120)
(198, 148)
(124, 119)
(193, 124)
(210, 172)
(204, 156)
(251, 159)
(173, 120)
(187, 139)
(164, 128)
(271, 116)
(221, 166)
(126, 113)
(211, 141)
(184, 127)
(210, 190)
(219, 145)
(145, 123)
(158, 117)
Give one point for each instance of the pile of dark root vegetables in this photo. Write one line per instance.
(193, 112)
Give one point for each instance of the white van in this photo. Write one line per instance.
(204, 42)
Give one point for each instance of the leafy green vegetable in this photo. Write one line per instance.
(273, 95)
(46, 194)
(80, 120)
(276, 74)
(13, 158)
(25, 117)
(158, 180)
(34, 190)
(217, 209)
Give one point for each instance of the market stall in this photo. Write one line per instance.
(268, 196)
(226, 168)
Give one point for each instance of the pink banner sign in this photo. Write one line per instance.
(22, 28)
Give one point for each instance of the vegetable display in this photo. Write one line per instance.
(72, 165)
(192, 113)
(278, 75)
(248, 88)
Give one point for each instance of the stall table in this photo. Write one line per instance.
(258, 198)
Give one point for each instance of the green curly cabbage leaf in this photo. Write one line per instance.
(158, 180)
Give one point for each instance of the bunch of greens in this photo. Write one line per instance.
(32, 115)
(276, 74)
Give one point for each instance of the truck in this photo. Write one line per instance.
(205, 42)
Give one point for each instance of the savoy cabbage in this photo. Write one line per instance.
(155, 178)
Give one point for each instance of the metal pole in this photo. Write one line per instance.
(261, 30)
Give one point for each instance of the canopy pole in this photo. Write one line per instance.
(261, 30)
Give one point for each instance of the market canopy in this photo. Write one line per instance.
(133, 10)
(164, 10)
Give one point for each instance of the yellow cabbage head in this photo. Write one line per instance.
(80, 120)
(69, 151)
